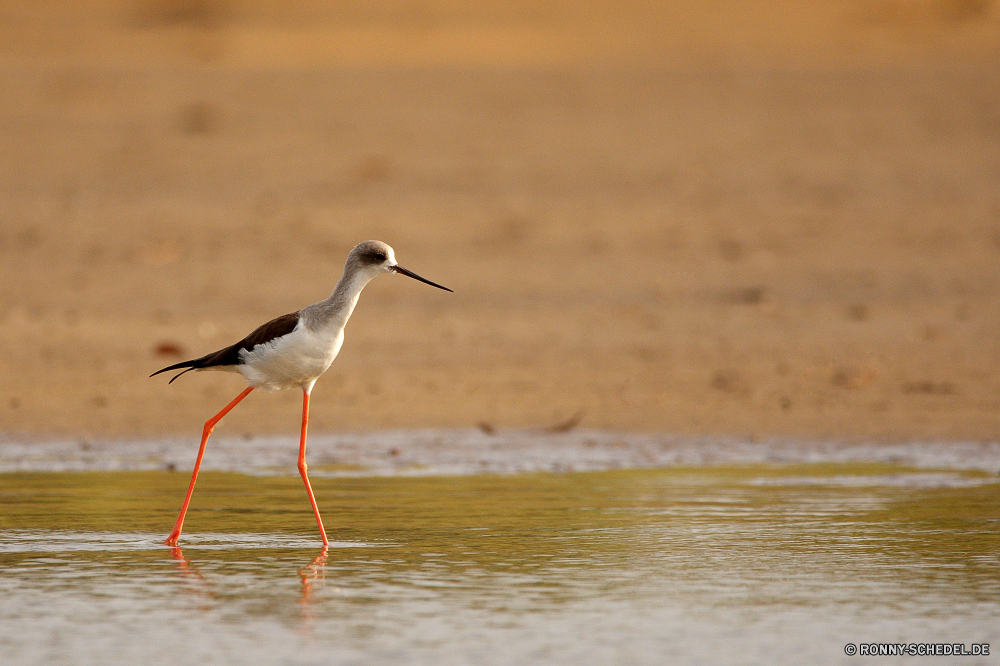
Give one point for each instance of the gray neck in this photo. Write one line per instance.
(334, 311)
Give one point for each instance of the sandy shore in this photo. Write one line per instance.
(654, 221)
(471, 451)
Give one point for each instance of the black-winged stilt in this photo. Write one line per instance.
(292, 351)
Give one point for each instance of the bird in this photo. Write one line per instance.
(292, 351)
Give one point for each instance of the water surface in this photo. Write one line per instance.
(737, 564)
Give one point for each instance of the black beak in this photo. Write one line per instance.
(400, 269)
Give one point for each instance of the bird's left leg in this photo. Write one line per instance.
(303, 467)
(209, 427)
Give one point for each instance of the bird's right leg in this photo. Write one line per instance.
(303, 467)
(209, 426)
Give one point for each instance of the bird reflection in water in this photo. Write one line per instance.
(311, 577)
(196, 582)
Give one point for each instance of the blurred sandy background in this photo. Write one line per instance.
(761, 218)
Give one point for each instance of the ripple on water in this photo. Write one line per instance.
(743, 564)
(68, 541)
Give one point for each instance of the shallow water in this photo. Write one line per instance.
(741, 564)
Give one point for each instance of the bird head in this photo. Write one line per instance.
(377, 257)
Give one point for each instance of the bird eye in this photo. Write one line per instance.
(380, 256)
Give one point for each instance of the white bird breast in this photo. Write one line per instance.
(291, 361)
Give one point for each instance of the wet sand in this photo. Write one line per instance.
(463, 452)
(761, 221)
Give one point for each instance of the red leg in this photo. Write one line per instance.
(209, 426)
(303, 467)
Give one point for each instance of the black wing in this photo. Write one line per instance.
(230, 355)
